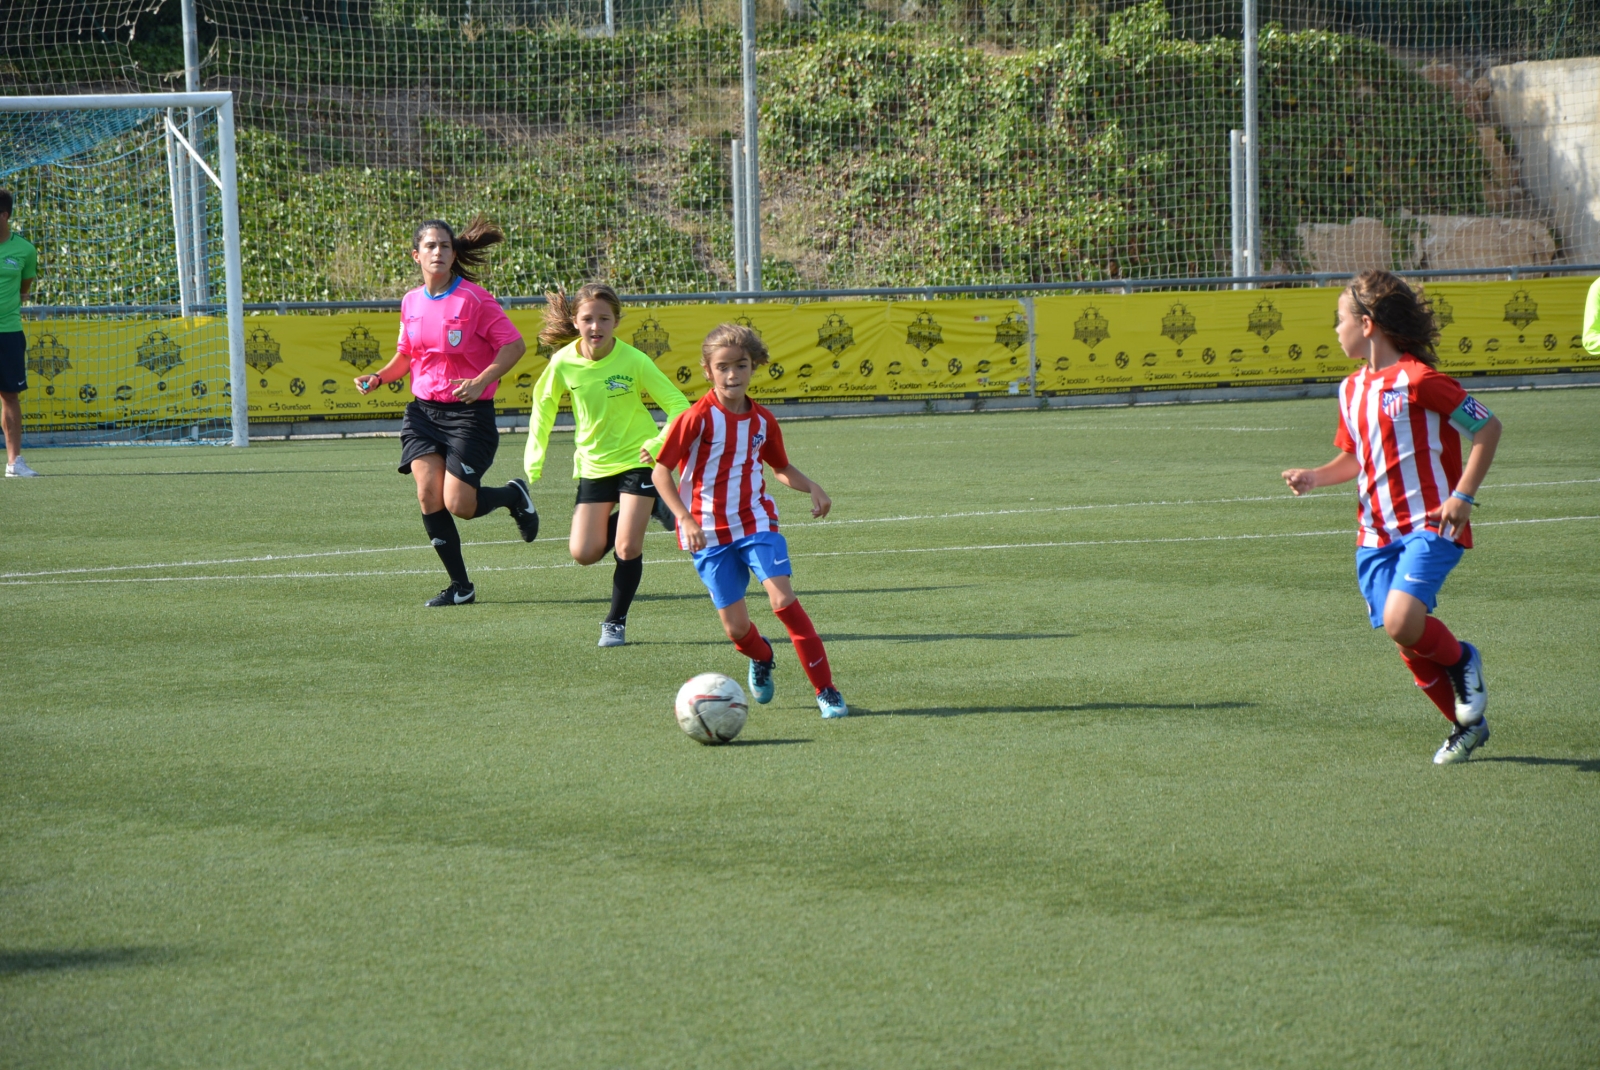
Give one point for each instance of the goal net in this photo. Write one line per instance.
(134, 328)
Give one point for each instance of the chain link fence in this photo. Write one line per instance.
(924, 142)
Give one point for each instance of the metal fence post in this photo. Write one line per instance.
(752, 168)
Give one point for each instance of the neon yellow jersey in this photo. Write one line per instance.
(18, 261)
(1591, 320)
(607, 407)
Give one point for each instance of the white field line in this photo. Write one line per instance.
(684, 559)
(212, 562)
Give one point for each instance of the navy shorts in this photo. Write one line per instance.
(13, 362)
(1416, 564)
(463, 433)
(638, 481)
(726, 569)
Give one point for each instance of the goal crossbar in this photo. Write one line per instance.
(226, 178)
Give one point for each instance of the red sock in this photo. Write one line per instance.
(1437, 644)
(807, 644)
(1433, 681)
(753, 645)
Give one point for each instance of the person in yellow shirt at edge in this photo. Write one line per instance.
(615, 438)
(1591, 321)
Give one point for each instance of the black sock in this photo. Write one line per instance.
(624, 585)
(492, 498)
(611, 535)
(441, 528)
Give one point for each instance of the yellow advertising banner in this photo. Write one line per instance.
(1097, 343)
(89, 372)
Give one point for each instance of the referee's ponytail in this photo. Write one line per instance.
(561, 311)
(468, 246)
(1398, 311)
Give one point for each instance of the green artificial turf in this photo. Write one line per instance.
(1129, 781)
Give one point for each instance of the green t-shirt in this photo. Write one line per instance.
(612, 422)
(1591, 320)
(18, 261)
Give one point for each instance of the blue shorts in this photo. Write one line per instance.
(725, 570)
(1416, 564)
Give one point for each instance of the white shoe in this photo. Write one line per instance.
(1462, 742)
(1472, 698)
(613, 633)
(19, 468)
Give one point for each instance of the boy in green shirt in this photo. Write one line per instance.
(1591, 320)
(19, 266)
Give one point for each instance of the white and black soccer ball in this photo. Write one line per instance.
(711, 708)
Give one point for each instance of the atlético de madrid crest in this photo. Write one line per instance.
(455, 337)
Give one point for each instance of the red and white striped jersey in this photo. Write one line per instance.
(720, 455)
(1397, 423)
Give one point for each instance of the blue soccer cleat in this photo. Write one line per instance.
(761, 681)
(831, 703)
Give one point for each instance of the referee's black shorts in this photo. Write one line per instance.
(463, 433)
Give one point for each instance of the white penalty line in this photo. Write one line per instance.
(1177, 539)
(264, 558)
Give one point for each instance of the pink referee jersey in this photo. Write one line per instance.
(453, 336)
(720, 454)
(1397, 423)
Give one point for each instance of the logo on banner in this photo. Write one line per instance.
(261, 350)
(744, 321)
(1091, 328)
(124, 392)
(1265, 319)
(1444, 313)
(48, 357)
(894, 367)
(924, 332)
(651, 340)
(1521, 310)
(1012, 332)
(330, 386)
(1178, 323)
(835, 335)
(1393, 402)
(359, 349)
(87, 392)
(774, 370)
(158, 353)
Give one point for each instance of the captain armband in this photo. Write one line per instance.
(1471, 415)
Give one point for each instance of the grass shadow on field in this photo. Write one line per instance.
(1582, 765)
(766, 742)
(15, 963)
(1071, 707)
(700, 596)
(942, 637)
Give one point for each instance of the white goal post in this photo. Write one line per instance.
(186, 166)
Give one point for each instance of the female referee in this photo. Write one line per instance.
(456, 342)
(606, 378)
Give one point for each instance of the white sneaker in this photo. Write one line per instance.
(613, 633)
(1472, 698)
(19, 468)
(1462, 742)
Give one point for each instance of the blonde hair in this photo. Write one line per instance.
(561, 310)
(735, 336)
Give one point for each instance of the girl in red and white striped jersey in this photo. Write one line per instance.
(727, 519)
(1399, 436)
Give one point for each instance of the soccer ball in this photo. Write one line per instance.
(711, 708)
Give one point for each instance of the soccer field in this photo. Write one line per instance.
(1128, 780)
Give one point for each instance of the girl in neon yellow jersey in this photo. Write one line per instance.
(606, 378)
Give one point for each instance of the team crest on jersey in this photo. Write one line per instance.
(454, 337)
(1393, 402)
(756, 440)
(13, 262)
(1474, 408)
(619, 382)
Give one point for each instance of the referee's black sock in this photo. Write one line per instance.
(624, 585)
(492, 498)
(441, 528)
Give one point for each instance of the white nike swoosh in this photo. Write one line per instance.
(813, 664)
(1414, 579)
(781, 561)
(459, 598)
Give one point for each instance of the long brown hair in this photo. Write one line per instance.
(1401, 313)
(561, 311)
(469, 245)
(736, 336)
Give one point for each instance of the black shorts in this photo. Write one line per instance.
(640, 481)
(464, 434)
(13, 362)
